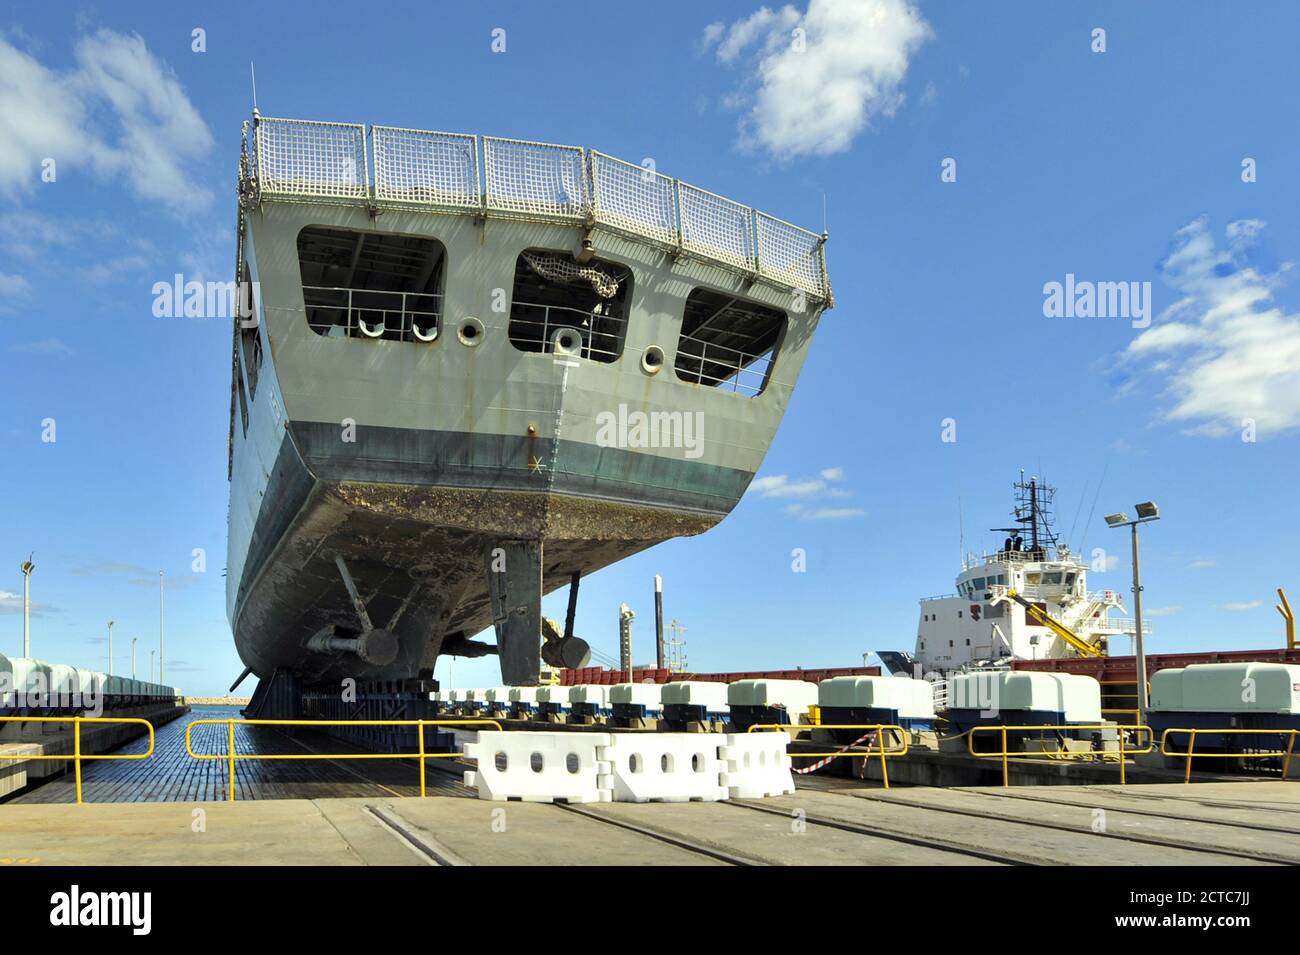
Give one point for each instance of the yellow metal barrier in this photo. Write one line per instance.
(1191, 746)
(231, 756)
(1005, 754)
(76, 756)
(879, 728)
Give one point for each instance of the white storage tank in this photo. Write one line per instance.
(694, 701)
(1226, 696)
(588, 701)
(752, 702)
(523, 701)
(635, 704)
(1023, 697)
(896, 700)
(552, 702)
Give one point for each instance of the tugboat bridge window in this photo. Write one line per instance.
(561, 304)
(728, 342)
(371, 285)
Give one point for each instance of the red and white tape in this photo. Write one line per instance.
(822, 762)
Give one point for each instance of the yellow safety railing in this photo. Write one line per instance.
(1206, 731)
(879, 728)
(231, 757)
(1005, 754)
(76, 756)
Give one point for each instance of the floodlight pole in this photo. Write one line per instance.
(1139, 647)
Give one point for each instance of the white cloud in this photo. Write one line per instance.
(808, 494)
(1202, 564)
(119, 113)
(813, 93)
(1160, 612)
(46, 346)
(1243, 605)
(781, 485)
(13, 285)
(831, 513)
(13, 603)
(1225, 352)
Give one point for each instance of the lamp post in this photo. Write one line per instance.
(27, 568)
(110, 648)
(151, 653)
(162, 634)
(1146, 512)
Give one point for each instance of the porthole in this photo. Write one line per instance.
(652, 359)
(470, 331)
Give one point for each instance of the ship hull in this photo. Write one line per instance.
(400, 466)
(431, 542)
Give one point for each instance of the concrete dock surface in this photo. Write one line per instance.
(826, 823)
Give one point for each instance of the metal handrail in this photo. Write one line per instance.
(356, 327)
(738, 367)
(879, 729)
(585, 322)
(231, 757)
(1005, 754)
(77, 755)
(1191, 732)
(300, 160)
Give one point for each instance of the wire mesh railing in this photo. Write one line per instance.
(299, 160)
(415, 166)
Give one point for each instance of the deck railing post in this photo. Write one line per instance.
(1122, 778)
(1006, 768)
(231, 757)
(76, 753)
(420, 730)
(1191, 745)
(884, 763)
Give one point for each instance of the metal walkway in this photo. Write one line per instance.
(171, 776)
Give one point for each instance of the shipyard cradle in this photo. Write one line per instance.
(476, 369)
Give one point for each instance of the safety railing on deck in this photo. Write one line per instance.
(1062, 753)
(598, 337)
(1191, 733)
(77, 756)
(373, 313)
(231, 756)
(720, 366)
(878, 752)
(440, 172)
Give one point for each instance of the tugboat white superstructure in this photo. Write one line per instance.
(1027, 600)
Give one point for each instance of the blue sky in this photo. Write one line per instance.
(1116, 166)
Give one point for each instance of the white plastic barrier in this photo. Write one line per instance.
(756, 765)
(666, 767)
(540, 767)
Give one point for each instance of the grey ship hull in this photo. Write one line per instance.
(409, 462)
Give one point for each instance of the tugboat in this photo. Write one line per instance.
(1027, 600)
(476, 369)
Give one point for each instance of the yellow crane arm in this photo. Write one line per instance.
(1061, 630)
